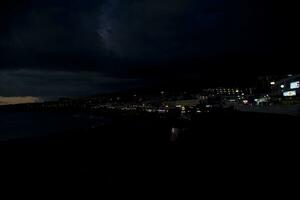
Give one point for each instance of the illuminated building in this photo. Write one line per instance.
(228, 91)
(287, 87)
(183, 103)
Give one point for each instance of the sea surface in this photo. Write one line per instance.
(16, 125)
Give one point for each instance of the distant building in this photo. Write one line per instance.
(266, 84)
(183, 103)
(286, 87)
(227, 91)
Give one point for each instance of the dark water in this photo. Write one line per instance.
(134, 151)
(29, 124)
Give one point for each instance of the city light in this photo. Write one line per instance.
(272, 83)
(295, 85)
(282, 86)
(290, 93)
(173, 130)
(245, 101)
(161, 110)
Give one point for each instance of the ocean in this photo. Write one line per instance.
(16, 125)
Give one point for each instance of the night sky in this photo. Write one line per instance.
(56, 48)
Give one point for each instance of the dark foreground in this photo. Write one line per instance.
(218, 154)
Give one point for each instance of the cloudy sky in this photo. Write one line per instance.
(81, 47)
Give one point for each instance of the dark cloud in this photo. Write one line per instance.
(149, 40)
(52, 83)
(160, 30)
(48, 33)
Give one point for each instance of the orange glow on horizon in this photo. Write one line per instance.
(18, 100)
